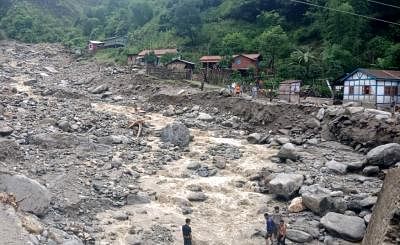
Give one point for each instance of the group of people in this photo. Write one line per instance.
(275, 229)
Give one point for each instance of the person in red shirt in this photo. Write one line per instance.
(281, 232)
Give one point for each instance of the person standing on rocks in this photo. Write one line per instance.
(270, 228)
(187, 233)
(276, 217)
(281, 233)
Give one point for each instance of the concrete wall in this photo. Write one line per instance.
(384, 226)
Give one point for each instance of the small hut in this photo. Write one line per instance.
(180, 65)
(289, 90)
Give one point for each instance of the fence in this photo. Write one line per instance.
(165, 73)
(217, 76)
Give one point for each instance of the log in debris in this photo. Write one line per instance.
(138, 123)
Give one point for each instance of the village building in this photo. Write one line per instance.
(132, 57)
(245, 62)
(180, 65)
(93, 46)
(289, 90)
(140, 59)
(369, 86)
(210, 62)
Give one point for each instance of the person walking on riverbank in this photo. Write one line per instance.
(281, 232)
(187, 233)
(270, 228)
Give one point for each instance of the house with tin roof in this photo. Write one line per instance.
(378, 87)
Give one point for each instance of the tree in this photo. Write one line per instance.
(186, 19)
(305, 58)
(274, 43)
(150, 58)
(234, 43)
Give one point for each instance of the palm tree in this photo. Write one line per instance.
(304, 57)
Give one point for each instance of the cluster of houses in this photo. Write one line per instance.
(241, 62)
(369, 86)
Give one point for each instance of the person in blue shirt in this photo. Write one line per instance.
(187, 233)
(270, 226)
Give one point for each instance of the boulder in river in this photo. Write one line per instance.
(288, 151)
(320, 200)
(384, 155)
(32, 196)
(176, 133)
(286, 185)
(350, 228)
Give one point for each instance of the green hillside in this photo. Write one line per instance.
(295, 38)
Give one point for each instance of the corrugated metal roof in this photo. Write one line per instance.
(96, 42)
(183, 61)
(252, 56)
(211, 58)
(382, 74)
(159, 52)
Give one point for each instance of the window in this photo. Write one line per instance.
(351, 90)
(391, 90)
(367, 90)
(238, 61)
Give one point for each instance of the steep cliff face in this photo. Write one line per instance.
(384, 227)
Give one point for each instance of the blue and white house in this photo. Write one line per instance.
(378, 87)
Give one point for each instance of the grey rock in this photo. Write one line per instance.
(219, 162)
(138, 198)
(254, 138)
(288, 151)
(371, 170)
(121, 216)
(99, 89)
(205, 117)
(197, 197)
(384, 155)
(113, 140)
(350, 228)
(313, 123)
(286, 185)
(336, 167)
(282, 140)
(193, 166)
(367, 218)
(355, 165)
(64, 125)
(354, 110)
(55, 140)
(321, 114)
(177, 134)
(5, 130)
(73, 242)
(320, 200)
(298, 236)
(368, 202)
(34, 197)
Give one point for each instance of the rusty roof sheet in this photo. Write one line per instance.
(159, 52)
(382, 74)
(211, 58)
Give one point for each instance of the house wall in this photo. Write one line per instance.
(241, 62)
(377, 90)
(358, 82)
(177, 66)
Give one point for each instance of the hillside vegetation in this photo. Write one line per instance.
(297, 40)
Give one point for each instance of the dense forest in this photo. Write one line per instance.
(306, 39)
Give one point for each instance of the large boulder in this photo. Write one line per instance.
(176, 133)
(336, 167)
(5, 130)
(55, 140)
(138, 198)
(321, 200)
(254, 138)
(32, 196)
(313, 123)
(197, 197)
(288, 151)
(384, 155)
(286, 185)
(298, 236)
(296, 205)
(350, 228)
(205, 117)
(99, 89)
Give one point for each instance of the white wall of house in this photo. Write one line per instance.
(361, 87)
(355, 88)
